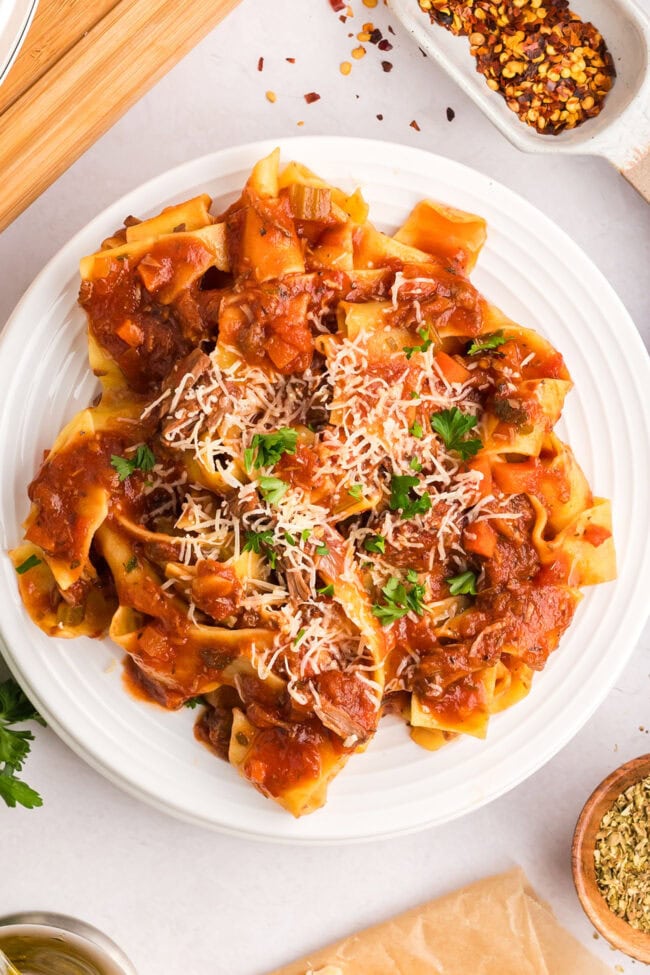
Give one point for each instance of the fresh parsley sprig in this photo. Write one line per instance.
(452, 425)
(375, 543)
(425, 344)
(266, 449)
(15, 745)
(144, 459)
(485, 343)
(262, 544)
(273, 489)
(403, 497)
(398, 600)
(463, 584)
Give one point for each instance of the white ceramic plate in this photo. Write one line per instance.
(15, 18)
(540, 278)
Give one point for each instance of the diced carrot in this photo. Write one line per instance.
(480, 538)
(130, 333)
(452, 370)
(481, 464)
(596, 535)
(521, 478)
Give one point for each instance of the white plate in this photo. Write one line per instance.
(539, 277)
(15, 18)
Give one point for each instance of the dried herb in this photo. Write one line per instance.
(621, 856)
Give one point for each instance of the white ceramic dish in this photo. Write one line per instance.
(537, 275)
(621, 133)
(15, 18)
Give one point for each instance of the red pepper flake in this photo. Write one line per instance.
(451, 115)
(375, 36)
(343, 18)
(385, 45)
(380, 118)
(312, 97)
(390, 30)
(260, 64)
(414, 125)
(337, 5)
(290, 60)
(423, 53)
(387, 65)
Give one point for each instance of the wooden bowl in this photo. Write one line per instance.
(634, 943)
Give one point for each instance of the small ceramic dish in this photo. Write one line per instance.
(621, 133)
(619, 933)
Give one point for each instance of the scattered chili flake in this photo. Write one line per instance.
(375, 36)
(260, 64)
(359, 52)
(345, 67)
(381, 118)
(387, 65)
(414, 125)
(553, 69)
(300, 123)
(312, 97)
(451, 115)
(385, 45)
(271, 97)
(337, 5)
(370, 3)
(290, 60)
(343, 18)
(390, 30)
(363, 36)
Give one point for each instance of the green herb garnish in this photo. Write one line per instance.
(144, 459)
(131, 564)
(416, 430)
(375, 543)
(452, 425)
(404, 499)
(15, 708)
(426, 343)
(266, 449)
(399, 601)
(194, 702)
(322, 550)
(326, 590)
(486, 342)
(463, 584)
(356, 491)
(273, 489)
(415, 464)
(29, 563)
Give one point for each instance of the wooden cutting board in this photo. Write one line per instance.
(84, 63)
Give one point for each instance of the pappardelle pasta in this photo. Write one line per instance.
(321, 481)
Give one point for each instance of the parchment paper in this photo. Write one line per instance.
(497, 926)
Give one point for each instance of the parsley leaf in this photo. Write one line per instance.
(415, 464)
(399, 600)
(403, 498)
(463, 584)
(356, 491)
(326, 590)
(414, 394)
(143, 459)
(426, 343)
(258, 541)
(273, 489)
(486, 342)
(15, 745)
(299, 635)
(375, 543)
(194, 702)
(289, 538)
(266, 449)
(416, 429)
(322, 550)
(452, 425)
(304, 534)
(29, 563)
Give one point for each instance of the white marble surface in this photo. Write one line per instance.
(180, 899)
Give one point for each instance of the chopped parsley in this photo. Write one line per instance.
(304, 534)
(131, 564)
(15, 745)
(262, 544)
(326, 590)
(299, 635)
(194, 702)
(266, 449)
(414, 394)
(452, 425)
(273, 489)
(144, 459)
(416, 430)
(322, 550)
(426, 343)
(29, 563)
(375, 543)
(356, 491)
(415, 464)
(485, 343)
(398, 600)
(463, 584)
(403, 498)
(289, 538)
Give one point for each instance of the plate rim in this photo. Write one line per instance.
(638, 363)
(23, 18)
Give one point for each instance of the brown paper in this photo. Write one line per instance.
(497, 926)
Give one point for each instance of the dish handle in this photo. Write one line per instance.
(637, 172)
